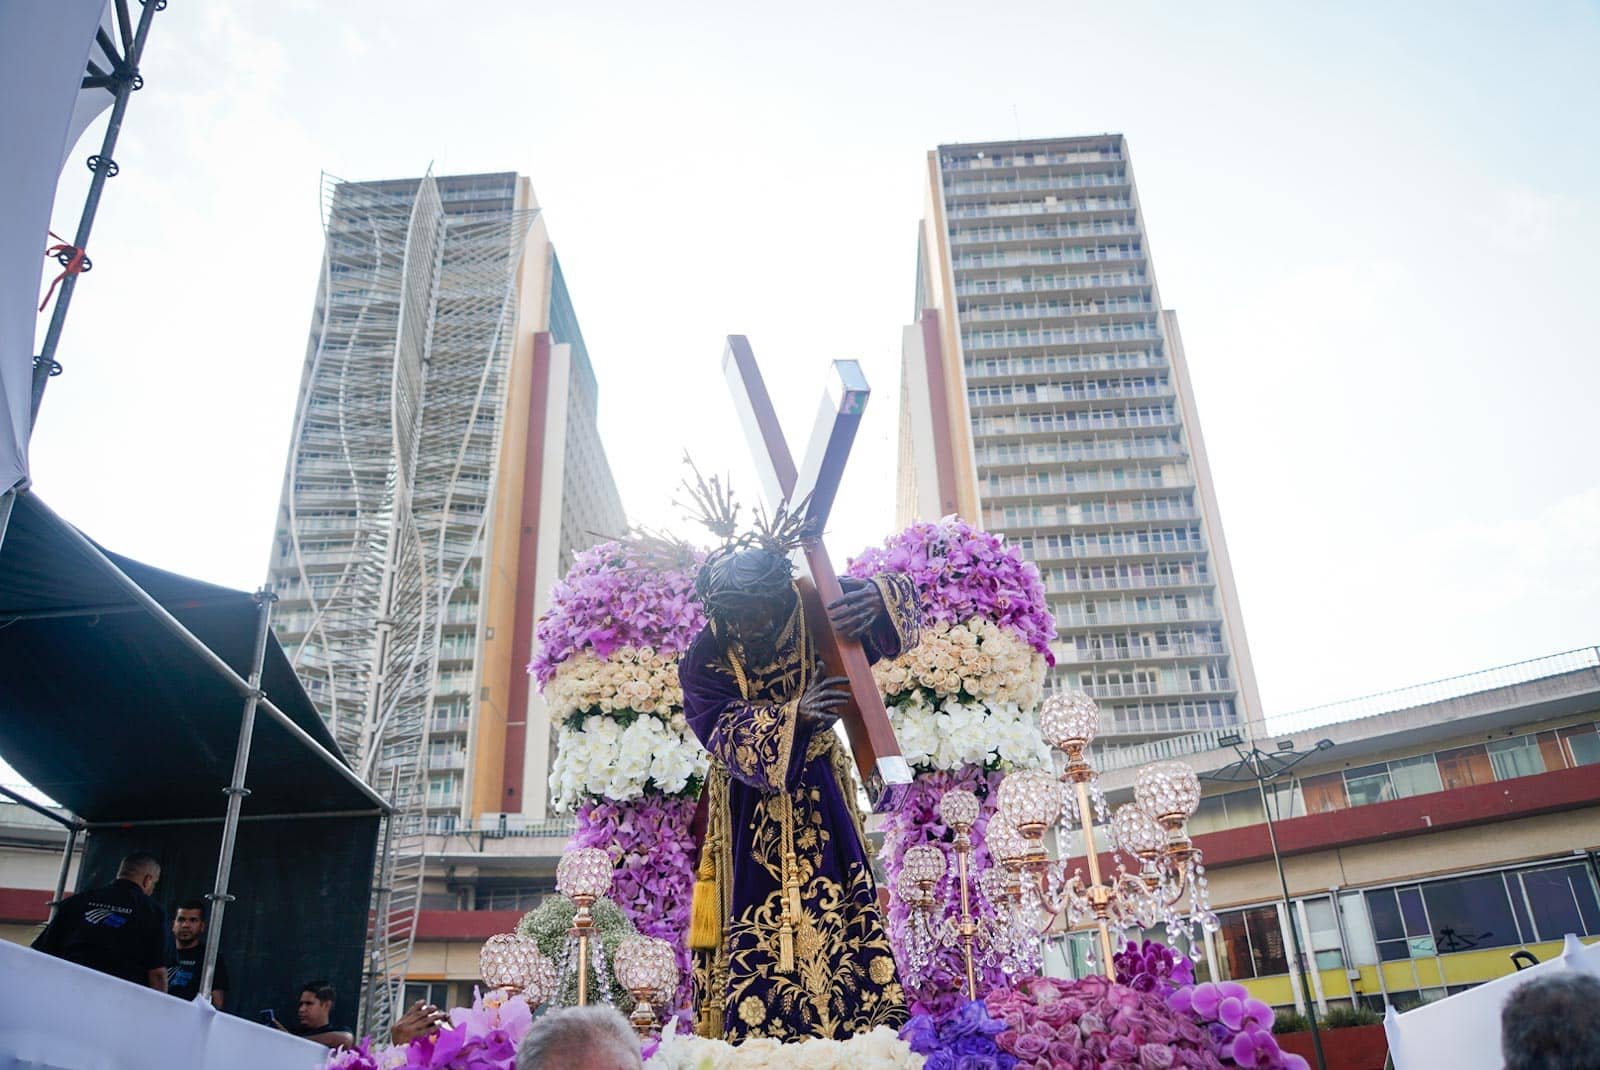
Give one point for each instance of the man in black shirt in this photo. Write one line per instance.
(187, 961)
(315, 1010)
(116, 929)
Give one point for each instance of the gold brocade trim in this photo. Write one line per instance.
(899, 596)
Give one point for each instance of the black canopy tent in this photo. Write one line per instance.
(126, 694)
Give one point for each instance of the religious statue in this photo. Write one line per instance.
(789, 936)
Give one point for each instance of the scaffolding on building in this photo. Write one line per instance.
(386, 498)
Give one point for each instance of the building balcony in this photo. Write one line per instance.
(1200, 579)
(1068, 655)
(446, 760)
(1032, 398)
(1018, 426)
(443, 725)
(1070, 617)
(961, 189)
(973, 285)
(1015, 236)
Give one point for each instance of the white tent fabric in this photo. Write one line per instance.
(1463, 1031)
(57, 1015)
(44, 45)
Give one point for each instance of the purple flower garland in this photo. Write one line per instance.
(1240, 1024)
(961, 572)
(918, 822)
(616, 595)
(653, 850)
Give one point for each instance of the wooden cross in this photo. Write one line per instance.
(884, 772)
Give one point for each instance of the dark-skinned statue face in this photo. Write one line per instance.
(749, 593)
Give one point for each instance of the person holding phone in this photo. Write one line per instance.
(315, 1011)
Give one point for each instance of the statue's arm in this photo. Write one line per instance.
(761, 744)
(897, 628)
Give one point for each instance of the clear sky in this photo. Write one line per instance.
(1378, 224)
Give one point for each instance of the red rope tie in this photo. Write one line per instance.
(72, 261)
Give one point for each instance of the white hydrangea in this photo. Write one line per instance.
(881, 1049)
(940, 732)
(621, 762)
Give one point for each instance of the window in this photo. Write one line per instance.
(1324, 793)
(1518, 756)
(1465, 766)
(1368, 784)
(1323, 934)
(1562, 900)
(1471, 912)
(1250, 943)
(1582, 743)
(1399, 923)
(1414, 776)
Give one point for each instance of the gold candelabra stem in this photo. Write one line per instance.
(582, 927)
(643, 1018)
(969, 929)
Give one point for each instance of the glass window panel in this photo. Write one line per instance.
(1324, 793)
(1555, 908)
(1266, 941)
(1233, 946)
(1583, 744)
(1385, 912)
(1588, 902)
(1518, 756)
(1465, 766)
(1287, 801)
(1210, 816)
(1470, 912)
(1550, 749)
(1369, 784)
(1415, 776)
(1411, 910)
(1244, 808)
(1358, 928)
(1394, 950)
(1330, 960)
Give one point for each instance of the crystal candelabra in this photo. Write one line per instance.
(584, 875)
(648, 968)
(959, 809)
(512, 965)
(1152, 830)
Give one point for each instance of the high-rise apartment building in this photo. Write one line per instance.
(1045, 396)
(445, 466)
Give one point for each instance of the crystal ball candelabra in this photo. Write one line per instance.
(584, 875)
(512, 964)
(1036, 891)
(922, 868)
(648, 968)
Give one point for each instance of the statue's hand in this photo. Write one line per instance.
(855, 612)
(823, 699)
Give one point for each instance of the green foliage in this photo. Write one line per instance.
(548, 926)
(1289, 1021)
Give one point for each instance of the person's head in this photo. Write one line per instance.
(189, 923)
(1549, 1023)
(580, 1038)
(748, 592)
(142, 869)
(316, 1003)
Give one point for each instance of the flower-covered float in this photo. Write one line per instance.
(606, 662)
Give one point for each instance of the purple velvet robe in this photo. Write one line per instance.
(770, 770)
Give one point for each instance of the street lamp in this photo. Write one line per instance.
(1265, 767)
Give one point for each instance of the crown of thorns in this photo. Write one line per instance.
(713, 504)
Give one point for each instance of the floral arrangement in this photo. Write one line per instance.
(918, 821)
(653, 850)
(548, 925)
(625, 757)
(880, 1049)
(961, 573)
(1239, 1024)
(618, 594)
(975, 658)
(630, 679)
(939, 732)
(1152, 966)
(962, 702)
(965, 1038)
(1095, 1023)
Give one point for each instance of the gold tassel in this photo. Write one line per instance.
(786, 948)
(705, 917)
